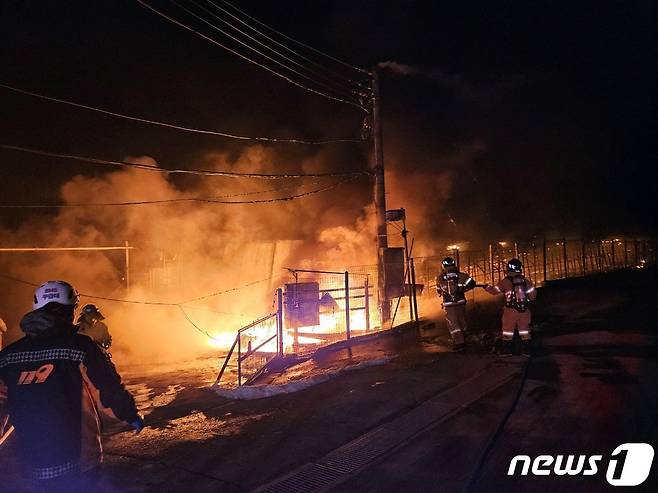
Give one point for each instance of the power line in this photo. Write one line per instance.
(290, 50)
(201, 172)
(244, 57)
(345, 91)
(353, 67)
(226, 291)
(174, 126)
(140, 202)
(169, 201)
(152, 303)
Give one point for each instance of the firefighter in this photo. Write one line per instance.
(3, 329)
(452, 285)
(90, 324)
(53, 382)
(519, 292)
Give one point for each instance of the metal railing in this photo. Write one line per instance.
(335, 306)
(340, 306)
(257, 344)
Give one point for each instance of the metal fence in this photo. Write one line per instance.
(255, 345)
(322, 307)
(318, 308)
(544, 260)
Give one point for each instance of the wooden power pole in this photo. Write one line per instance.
(380, 199)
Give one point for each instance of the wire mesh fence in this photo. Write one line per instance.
(255, 345)
(318, 308)
(544, 260)
(323, 307)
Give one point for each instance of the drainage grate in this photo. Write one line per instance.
(361, 451)
(346, 460)
(312, 477)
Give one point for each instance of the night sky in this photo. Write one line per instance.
(559, 98)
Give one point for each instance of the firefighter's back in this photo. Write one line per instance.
(47, 401)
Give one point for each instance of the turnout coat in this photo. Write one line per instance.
(53, 383)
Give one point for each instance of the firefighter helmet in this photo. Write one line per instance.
(514, 265)
(93, 310)
(60, 292)
(448, 262)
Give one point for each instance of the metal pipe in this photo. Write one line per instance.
(565, 257)
(413, 288)
(251, 350)
(347, 304)
(228, 357)
(491, 264)
(127, 260)
(366, 288)
(239, 361)
(66, 249)
(256, 322)
(279, 319)
(545, 261)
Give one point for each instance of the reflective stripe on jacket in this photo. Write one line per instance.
(53, 386)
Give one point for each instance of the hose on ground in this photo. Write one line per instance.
(470, 485)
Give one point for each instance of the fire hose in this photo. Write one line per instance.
(6, 434)
(498, 432)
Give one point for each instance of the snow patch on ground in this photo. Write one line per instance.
(262, 391)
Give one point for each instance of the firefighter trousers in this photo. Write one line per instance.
(513, 319)
(456, 318)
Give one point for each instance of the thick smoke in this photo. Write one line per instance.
(465, 90)
(187, 250)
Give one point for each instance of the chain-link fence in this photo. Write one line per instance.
(322, 307)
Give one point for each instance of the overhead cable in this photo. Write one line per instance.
(149, 167)
(169, 201)
(353, 67)
(174, 126)
(244, 57)
(152, 303)
(282, 45)
(346, 91)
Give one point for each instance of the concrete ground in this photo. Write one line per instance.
(591, 388)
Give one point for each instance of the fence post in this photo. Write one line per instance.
(366, 292)
(566, 260)
(545, 278)
(491, 263)
(127, 258)
(599, 252)
(583, 265)
(279, 318)
(347, 304)
(413, 287)
(239, 361)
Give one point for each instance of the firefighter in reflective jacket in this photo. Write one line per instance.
(53, 383)
(451, 285)
(90, 323)
(519, 292)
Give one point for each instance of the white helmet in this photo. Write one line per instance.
(56, 292)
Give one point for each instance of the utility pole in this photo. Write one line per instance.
(380, 199)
